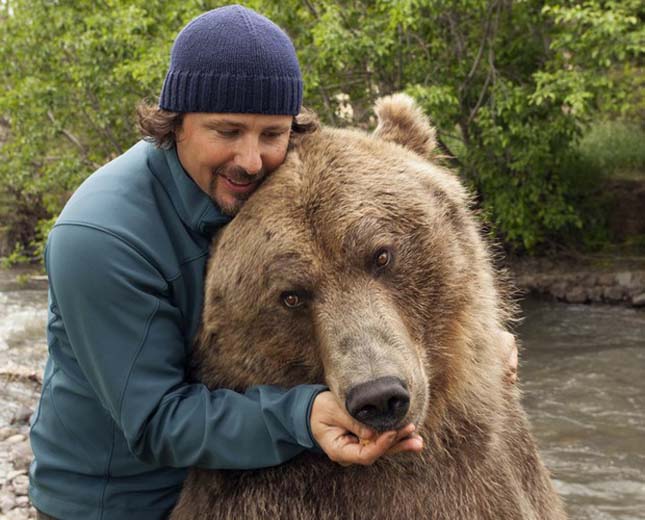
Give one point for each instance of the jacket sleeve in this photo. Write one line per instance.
(126, 336)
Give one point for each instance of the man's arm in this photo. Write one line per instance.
(127, 338)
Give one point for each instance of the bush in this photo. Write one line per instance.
(615, 148)
(509, 83)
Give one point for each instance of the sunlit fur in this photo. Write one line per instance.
(430, 318)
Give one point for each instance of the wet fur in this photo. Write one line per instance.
(431, 317)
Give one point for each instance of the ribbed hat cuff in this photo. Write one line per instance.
(230, 93)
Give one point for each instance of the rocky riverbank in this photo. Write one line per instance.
(15, 453)
(583, 280)
(23, 304)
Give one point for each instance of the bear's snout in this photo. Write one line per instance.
(380, 404)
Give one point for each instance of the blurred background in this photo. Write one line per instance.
(539, 107)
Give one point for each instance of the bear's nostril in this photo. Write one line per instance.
(366, 413)
(396, 404)
(381, 403)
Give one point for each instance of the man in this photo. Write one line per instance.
(118, 423)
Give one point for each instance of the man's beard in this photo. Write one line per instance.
(238, 175)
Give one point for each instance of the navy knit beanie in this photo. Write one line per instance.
(232, 60)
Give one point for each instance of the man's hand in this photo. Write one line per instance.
(508, 345)
(346, 441)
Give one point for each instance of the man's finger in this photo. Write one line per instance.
(412, 443)
(367, 453)
(335, 415)
(508, 342)
(360, 430)
(405, 432)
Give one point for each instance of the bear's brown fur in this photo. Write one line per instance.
(430, 317)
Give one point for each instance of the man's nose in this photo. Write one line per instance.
(248, 156)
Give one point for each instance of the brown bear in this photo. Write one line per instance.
(359, 263)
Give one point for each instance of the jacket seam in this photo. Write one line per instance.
(191, 224)
(120, 239)
(58, 415)
(201, 216)
(193, 258)
(136, 357)
(39, 494)
(108, 474)
(45, 388)
(179, 209)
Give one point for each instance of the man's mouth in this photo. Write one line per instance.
(238, 186)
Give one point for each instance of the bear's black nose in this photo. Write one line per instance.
(380, 404)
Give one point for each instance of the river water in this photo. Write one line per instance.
(583, 377)
(23, 350)
(582, 373)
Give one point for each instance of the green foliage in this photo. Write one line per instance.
(16, 257)
(519, 169)
(510, 86)
(598, 46)
(37, 244)
(71, 73)
(616, 148)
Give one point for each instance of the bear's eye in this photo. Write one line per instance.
(382, 258)
(292, 299)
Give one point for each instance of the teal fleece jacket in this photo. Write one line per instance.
(118, 424)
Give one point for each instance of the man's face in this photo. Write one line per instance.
(228, 155)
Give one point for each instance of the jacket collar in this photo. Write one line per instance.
(195, 208)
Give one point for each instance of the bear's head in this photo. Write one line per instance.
(358, 264)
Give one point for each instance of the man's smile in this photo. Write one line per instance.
(239, 186)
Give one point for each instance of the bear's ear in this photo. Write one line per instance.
(305, 123)
(401, 121)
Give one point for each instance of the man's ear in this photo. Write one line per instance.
(401, 121)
